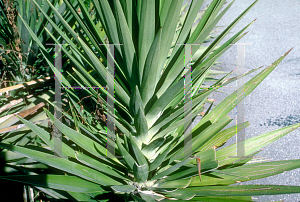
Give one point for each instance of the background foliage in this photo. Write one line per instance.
(150, 124)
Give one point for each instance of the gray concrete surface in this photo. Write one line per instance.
(275, 102)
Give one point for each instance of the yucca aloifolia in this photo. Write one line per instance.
(151, 161)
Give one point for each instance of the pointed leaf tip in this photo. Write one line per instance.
(288, 51)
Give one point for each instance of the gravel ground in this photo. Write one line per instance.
(275, 102)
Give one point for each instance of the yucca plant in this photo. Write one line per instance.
(19, 58)
(25, 80)
(25, 84)
(152, 156)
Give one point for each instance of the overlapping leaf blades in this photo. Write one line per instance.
(148, 38)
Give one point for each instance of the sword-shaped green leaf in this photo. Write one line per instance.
(245, 173)
(127, 157)
(64, 165)
(127, 47)
(83, 141)
(59, 182)
(141, 126)
(238, 190)
(46, 137)
(146, 32)
(100, 166)
(141, 172)
(233, 99)
(253, 144)
(171, 169)
(151, 70)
